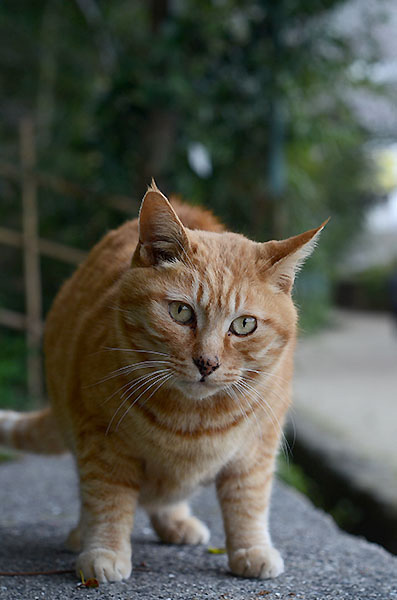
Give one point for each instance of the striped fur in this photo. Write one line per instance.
(129, 401)
(34, 432)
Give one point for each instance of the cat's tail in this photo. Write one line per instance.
(33, 431)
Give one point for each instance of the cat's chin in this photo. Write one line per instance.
(197, 390)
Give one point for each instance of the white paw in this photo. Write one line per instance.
(184, 531)
(104, 565)
(262, 562)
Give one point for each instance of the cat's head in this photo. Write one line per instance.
(216, 306)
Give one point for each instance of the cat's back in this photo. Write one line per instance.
(95, 278)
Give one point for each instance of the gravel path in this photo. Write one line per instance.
(38, 500)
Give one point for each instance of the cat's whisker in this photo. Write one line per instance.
(259, 405)
(134, 383)
(248, 420)
(137, 384)
(269, 380)
(152, 377)
(272, 386)
(136, 350)
(142, 379)
(244, 414)
(167, 378)
(128, 369)
(261, 402)
(163, 378)
(249, 387)
(270, 376)
(270, 390)
(285, 446)
(128, 383)
(267, 374)
(230, 393)
(243, 391)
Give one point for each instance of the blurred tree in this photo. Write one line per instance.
(240, 105)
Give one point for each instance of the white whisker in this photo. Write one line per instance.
(244, 393)
(128, 383)
(244, 414)
(162, 380)
(152, 377)
(135, 350)
(128, 369)
(260, 401)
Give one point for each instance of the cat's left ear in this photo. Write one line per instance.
(162, 237)
(284, 258)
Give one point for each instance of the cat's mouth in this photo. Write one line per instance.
(201, 388)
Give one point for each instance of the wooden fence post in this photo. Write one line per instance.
(31, 259)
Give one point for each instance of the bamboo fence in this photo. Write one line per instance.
(33, 247)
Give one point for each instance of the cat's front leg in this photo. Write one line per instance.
(107, 513)
(244, 491)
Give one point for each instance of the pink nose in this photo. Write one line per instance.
(206, 365)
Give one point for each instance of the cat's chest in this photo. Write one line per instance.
(174, 471)
(176, 458)
(172, 480)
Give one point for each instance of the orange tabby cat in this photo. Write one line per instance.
(169, 362)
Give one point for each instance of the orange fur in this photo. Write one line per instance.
(153, 407)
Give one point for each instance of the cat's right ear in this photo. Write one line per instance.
(162, 237)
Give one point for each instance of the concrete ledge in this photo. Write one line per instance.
(38, 502)
(343, 473)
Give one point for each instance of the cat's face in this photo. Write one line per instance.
(217, 306)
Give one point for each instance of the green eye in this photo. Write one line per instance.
(181, 312)
(243, 325)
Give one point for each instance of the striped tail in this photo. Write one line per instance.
(34, 432)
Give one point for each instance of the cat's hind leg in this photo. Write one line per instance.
(174, 524)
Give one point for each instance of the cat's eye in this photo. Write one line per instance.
(181, 312)
(243, 325)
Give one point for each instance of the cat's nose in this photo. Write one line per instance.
(206, 365)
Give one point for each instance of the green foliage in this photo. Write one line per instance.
(257, 83)
(374, 283)
(293, 475)
(13, 371)
(345, 512)
(126, 91)
(368, 289)
(5, 456)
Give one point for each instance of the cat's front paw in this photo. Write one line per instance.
(105, 565)
(263, 562)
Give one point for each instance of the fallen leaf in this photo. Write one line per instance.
(216, 550)
(90, 583)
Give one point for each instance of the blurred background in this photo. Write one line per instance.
(275, 115)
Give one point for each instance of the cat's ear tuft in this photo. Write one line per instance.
(284, 258)
(153, 187)
(162, 237)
